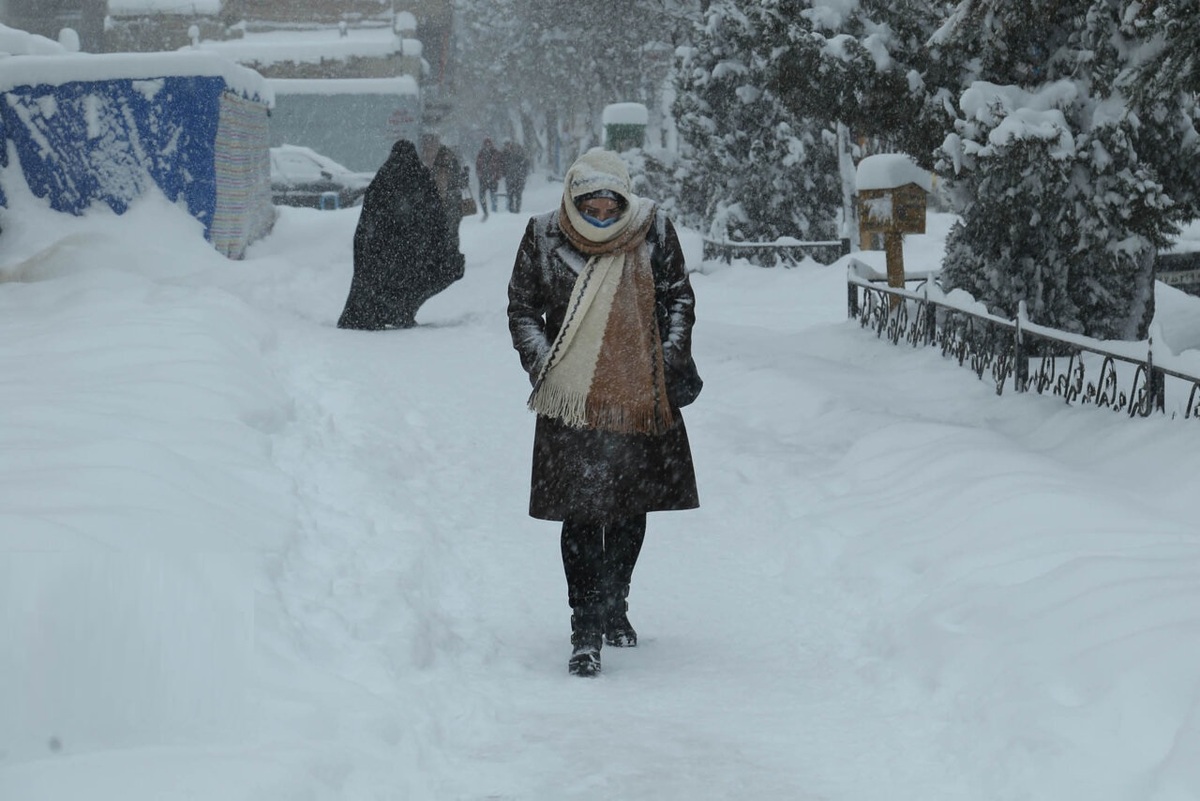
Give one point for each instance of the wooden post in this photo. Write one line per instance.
(1020, 356)
(864, 234)
(892, 211)
(893, 250)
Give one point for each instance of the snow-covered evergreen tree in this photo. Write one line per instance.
(550, 68)
(870, 65)
(1172, 28)
(1165, 88)
(753, 171)
(1071, 145)
(491, 71)
(1062, 200)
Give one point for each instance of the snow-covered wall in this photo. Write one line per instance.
(625, 114)
(179, 7)
(310, 46)
(624, 125)
(14, 42)
(92, 129)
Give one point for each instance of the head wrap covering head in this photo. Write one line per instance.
(600, 193)
(599, 170)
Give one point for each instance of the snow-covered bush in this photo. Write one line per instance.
(753, 170)
(1049, 212)
(1065, 189)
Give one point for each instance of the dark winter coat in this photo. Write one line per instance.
(516, 167)
(592, 475)
(489, 165)
(403, 251)
(448, 176)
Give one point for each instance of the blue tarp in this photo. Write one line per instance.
(109, 141)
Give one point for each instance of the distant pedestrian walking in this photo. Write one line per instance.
(516, 169)
(488, 169)
(447, 172)
(401, 246)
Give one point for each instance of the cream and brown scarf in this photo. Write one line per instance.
(605, 368)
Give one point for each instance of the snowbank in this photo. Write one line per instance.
(15, 42)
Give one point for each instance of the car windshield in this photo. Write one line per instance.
(296, 165)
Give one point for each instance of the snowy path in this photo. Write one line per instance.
(416, 557)
(898, 586)
(767, 664)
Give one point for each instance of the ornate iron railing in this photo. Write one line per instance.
(788, 252)
(1123, 376)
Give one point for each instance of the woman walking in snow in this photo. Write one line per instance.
(601, 313)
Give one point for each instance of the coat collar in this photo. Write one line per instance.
(571, 257)
(560, 247)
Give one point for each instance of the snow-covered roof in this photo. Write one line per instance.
(57, 70)
(179, 7)
(310, 46)
(625, 114)
(891, 170)
(400, 85)
(15, 42)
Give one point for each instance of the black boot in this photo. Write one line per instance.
(587, 625)
(618, 632)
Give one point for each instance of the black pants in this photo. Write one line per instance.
(599, 558)
(514, 191)
(484, 191)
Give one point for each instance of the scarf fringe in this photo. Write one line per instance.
(622, 420)
(551, 400)
(574, 409)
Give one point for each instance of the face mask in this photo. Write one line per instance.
(600, 223)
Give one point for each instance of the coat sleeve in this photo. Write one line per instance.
(527, 305)
(676, 300)
(453, 168)
(676, 310)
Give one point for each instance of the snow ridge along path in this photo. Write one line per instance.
(898, 585)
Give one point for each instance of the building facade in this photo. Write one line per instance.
(48, 17)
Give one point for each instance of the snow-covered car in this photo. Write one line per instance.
(300, 176)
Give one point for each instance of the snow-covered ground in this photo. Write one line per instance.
(245, 555)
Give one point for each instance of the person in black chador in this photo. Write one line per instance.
(403, 251)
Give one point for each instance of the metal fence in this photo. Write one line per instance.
(786, 252)
(1123, 376)
(1180, 270)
